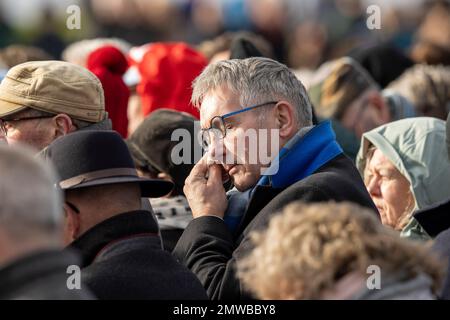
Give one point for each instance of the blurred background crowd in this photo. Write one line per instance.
(324, 29)
(304, 35)
(378, 69)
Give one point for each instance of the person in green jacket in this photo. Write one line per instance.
(403, 166)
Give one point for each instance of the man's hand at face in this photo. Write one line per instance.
(204, 190)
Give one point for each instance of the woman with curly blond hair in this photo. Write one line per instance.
(329, 251)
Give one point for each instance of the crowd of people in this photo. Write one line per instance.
(136, 168)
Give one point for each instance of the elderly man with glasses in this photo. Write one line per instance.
(43, 100)
(236, 98)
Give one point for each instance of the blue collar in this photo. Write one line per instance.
(315, 149)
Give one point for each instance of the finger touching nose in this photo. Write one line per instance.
(216, 150)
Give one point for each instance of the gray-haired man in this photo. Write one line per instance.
(32, 265)
(237, 97)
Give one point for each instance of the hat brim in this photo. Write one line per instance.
(7, 108)
(139, 156)
(150, 188)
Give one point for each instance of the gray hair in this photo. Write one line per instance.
(255, 80)
(31, 205)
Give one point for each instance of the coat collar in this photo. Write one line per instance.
(122, 226)
(434, 219)
(312, 151)
(297, 161)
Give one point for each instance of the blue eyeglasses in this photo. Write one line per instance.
(217, 124)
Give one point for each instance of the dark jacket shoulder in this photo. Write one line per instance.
(338, 180)
(434, 219)
(43, 276)
(123, 259)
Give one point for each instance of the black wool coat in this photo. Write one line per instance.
(42, 275)
(123, 259)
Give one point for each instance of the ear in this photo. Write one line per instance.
(376, 101)
(71, 225)
(285, 119)
(63, 125)
(164, 176)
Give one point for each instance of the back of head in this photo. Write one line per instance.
(99, 203)
(226, 41)
(17, 54)
(97, 174)
(31, 205)
(309, 248)
(427, 88)
(433, 36)
(384, 62)
(337, 85)
(242, 48)
(255, 80)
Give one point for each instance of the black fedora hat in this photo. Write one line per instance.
(94, 158)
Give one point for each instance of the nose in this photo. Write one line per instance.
(216, 149)
(373, 187)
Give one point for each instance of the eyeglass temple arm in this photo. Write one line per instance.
(246, 109)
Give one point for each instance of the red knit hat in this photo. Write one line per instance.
(109, 64)
(167, 71)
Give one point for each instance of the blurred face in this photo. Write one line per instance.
(31, 133)
(389, 189)
(236, 164)
(366, 113)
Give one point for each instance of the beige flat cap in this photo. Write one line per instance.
(55, 87)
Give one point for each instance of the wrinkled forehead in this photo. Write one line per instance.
(379, 160)
(217, 103)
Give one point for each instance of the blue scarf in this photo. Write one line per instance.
(298, 159)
